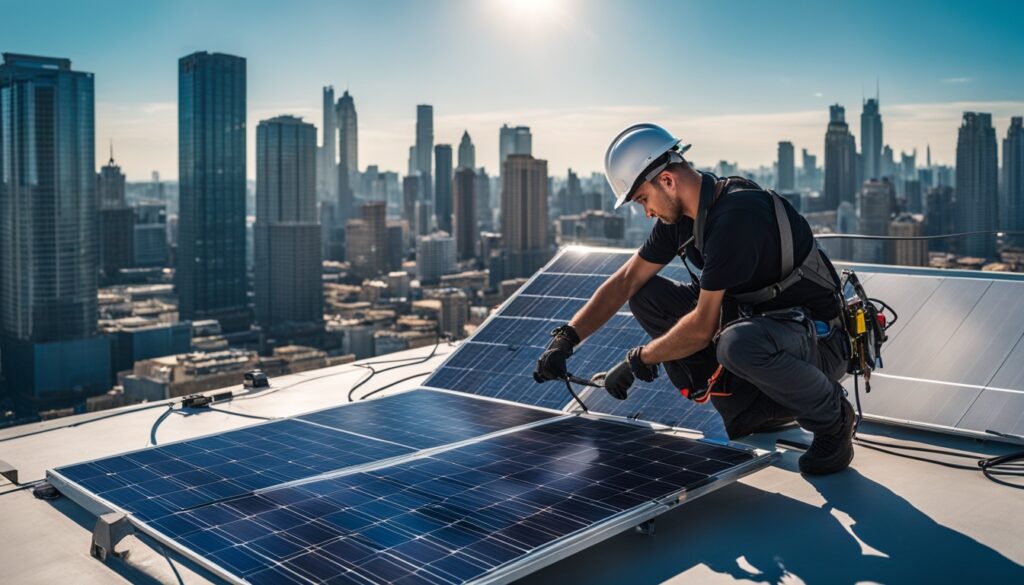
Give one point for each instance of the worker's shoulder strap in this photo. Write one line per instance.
(812, 267)
(707, 201)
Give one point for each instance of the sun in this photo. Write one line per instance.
(530, 11)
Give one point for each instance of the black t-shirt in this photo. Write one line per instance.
(742, 250)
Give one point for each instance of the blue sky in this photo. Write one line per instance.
(733, 77)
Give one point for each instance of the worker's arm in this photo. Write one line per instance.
(611, 295)
(690, 334)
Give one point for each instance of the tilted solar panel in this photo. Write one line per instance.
(152, 482)
(489, 509)
(955, 357)
(522, 327)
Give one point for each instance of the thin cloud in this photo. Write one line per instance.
(957, 80)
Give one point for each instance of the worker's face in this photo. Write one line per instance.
(660, 198)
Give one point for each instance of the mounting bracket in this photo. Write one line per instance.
(110, 529)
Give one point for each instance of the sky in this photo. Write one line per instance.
(733, 77)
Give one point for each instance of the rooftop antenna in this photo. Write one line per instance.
(878, 91)
(111, 152)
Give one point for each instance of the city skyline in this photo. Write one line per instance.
(548, 69)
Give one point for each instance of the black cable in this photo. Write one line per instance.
(84, 422)
(373, 372)
(23, 486)
(242, 414)
(395, 383)
(158, 422)
(314, 378)
(171, 563)
(990, 466)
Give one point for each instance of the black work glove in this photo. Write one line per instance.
(551, 365)
(618, 380)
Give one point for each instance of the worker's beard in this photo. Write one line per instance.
(672, 214)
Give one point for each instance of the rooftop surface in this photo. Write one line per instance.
(888, 519)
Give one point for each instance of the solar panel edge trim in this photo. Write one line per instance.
(592, 535)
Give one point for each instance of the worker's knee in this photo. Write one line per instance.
(741, 346)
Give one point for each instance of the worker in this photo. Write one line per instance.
(759, 331)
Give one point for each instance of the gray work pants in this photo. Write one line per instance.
(790, 371)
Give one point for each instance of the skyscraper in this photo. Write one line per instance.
(289, 295)
(467, 152)
(48, 238)
(443, 186)
(875, 206)
(787, 167)
(150, 233)
(367, 249)
(940, 218)
(524, 214)
(435, 257)
(484, 211)
(976, 183)
(410, 196)
(425, 147)
(811, 178)
(871, 139)
(466, 232)
(116, 222)
(840, 160)
(514, 140)
(348, 154)
(454, 313)
(210, 271)
(908, 252)
(511, 140)
(1013, 181)
(326, 171)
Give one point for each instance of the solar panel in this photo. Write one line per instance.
(954, 360)
(521, 328)
(483, 510)
(183, 475)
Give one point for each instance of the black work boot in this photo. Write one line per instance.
(831, 451)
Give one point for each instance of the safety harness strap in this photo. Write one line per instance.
(812, 267)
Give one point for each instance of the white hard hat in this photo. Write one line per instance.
(638, 154)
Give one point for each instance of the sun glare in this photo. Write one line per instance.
(530, 11)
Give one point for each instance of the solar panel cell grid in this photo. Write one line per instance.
(499, 371)
(422, 419)
(454, 516)
(576, 286)
(154, 482)
(587, 262)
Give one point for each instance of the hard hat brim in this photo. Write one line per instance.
(628, 196)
